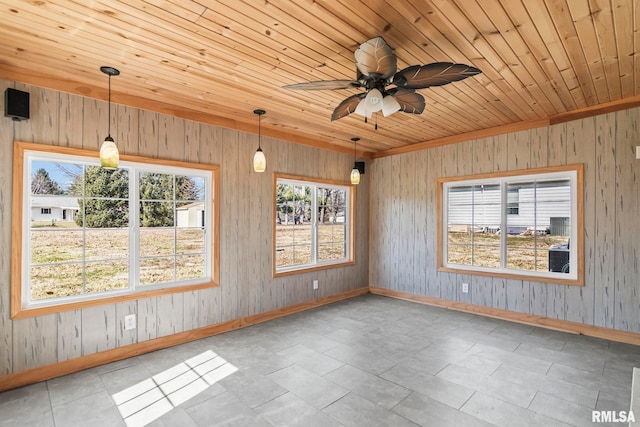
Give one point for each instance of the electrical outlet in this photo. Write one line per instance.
(315, 284)
(465, 288)
(129, 322)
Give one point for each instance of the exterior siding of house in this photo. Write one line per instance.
(54, 208)
(551, 202)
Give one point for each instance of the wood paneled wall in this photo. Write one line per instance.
(402, 241)
(246, 285)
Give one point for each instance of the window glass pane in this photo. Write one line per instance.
(156, 241)
(284, 256)
(474, 221)
(190, 188)
(157, 270)
(59, 244)
(107, 275)
(101, 243)
(554, 208)
(486, 249)
(190, 214)
(190, 240)
(157, 214)
(55, 280)
(103, 213)
(156, 186)
(302, 254)
(190, 267)
(331, 223)
(106, 183)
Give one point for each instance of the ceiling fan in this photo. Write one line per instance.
(376, 67)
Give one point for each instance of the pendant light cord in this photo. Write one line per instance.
(109, 115)
(259, 130)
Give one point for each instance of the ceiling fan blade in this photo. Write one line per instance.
(347, 106)
(435, 74)
(325, 85)
(376, 58)
(410, 101)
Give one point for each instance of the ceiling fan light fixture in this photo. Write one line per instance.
(390, 106)
(372, 103)
(361, 109)
(374, 100)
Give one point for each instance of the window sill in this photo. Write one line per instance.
(19, 312)
(311, 268)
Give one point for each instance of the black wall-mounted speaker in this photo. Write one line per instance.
(360, 167)
(16, 104)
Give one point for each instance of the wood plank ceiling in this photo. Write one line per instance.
(216, 61)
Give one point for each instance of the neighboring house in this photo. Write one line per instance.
(480, 208)
(191, 215)
(58, 208)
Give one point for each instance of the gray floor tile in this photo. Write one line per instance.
(26, 406)
(584, 379)
(33, 418)
(92, 410)
(478, 364)
(118, 380)
(429, 413)
(436, 388)
(311, 360)
(523, 361)
(518, 394)
(176, 417)
(505, 414)
(373, 388)
(353, 410)
(289, 410)
(561, 410)
(252, 388)
(72, 387)
(363, 358)
(556, 387)
(587, 361)
(225, 410)
(305, 384)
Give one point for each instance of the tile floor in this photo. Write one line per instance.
(369, 361)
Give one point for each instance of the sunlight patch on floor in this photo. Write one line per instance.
(152, 398)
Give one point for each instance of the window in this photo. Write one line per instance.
(513, 195)
(313, 224)
(523, 224)
(148, 227)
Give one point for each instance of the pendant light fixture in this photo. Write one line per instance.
(355, 172)
(259, 160)
(109, 155)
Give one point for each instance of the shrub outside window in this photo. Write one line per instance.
(86, 235)
(524, 224)
(313, 224)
